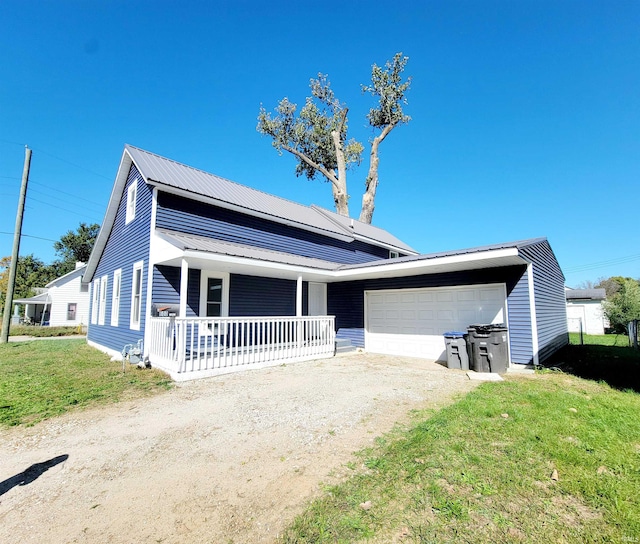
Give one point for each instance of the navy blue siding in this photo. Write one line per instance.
(551, 305)
(255, 296)
(192, 217)
(345, 300)
(520, 335)
(166, 288)
(127, 244)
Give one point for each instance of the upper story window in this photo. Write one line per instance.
(132, 193)
(393, 254)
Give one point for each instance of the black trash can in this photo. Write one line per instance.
(487, 346)
(457, 356)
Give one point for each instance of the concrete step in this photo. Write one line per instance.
(344, 345)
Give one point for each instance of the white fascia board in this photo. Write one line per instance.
(423, 266)
(161, 249)
(109, 217)
(247, 211)
(66, 276)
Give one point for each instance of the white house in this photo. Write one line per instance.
(584, 307)
(63, 303)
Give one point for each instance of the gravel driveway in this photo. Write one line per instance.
(226, 459)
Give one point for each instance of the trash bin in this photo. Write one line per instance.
(487, 347)
(457, 356)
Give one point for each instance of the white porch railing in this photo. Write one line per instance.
(193, 347)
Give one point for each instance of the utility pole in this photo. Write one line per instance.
(8, 302)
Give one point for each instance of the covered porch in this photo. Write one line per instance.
(211, 312)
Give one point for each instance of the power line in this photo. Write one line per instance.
(60, 208)
(30, 236)
(603, 264)
(65, 200)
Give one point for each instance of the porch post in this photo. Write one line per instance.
(299, 297)
(184, 283)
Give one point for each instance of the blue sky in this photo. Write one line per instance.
(525, 115)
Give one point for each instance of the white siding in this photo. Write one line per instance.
(64, 293)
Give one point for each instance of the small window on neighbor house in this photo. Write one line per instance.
(132, 193)
(84, 287)
(393, 254)
(71, 311)
(136, 296)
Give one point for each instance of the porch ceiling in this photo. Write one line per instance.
(206, 253)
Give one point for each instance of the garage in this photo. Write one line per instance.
(411, 322)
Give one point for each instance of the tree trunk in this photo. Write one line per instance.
(340, 196)
(369, 196)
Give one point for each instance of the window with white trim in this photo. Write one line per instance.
(95, 301)
(115, 297)
(136, 296)
(72, 308)
(132, 193)
(102, 308)
(393, 254)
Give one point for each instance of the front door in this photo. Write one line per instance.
(317, 298)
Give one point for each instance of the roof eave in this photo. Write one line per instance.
(110, 215)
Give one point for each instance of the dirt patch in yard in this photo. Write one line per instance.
(226, 459)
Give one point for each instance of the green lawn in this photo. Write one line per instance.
(45, 332)
(614, 340)
(547, 458)
(44, 378)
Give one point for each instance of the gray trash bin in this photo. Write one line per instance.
(457, 356)
(487, 346)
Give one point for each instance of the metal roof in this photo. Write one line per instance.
(586, 294)
(468, 251)
(169, 173)
(210, 245)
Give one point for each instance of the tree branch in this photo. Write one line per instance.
(326, 173)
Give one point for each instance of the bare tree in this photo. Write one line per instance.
(317, 136)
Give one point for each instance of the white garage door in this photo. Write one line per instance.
(411, 321)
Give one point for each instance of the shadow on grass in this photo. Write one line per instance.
(30, 474)
(617, 366)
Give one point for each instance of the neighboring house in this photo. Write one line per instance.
(214, 276)
(585, 311)
(69, 298)
(64, 302)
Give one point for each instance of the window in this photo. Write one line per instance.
(84, 287)
(132, 193)
(393, 254)
(95, 301)
(115, 298)
(71, 311)
(102, 308)
(136, 296)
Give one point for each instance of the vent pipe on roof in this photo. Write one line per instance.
(351, 223)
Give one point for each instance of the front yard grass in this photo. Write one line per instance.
(40, 379)
(548, 458)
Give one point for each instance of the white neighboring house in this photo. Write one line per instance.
(63, 303)
(585, 306)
